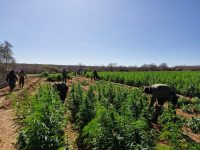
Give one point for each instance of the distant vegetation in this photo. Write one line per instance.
(39, 68)
(7, 60)
(184, 82)
(53, 77)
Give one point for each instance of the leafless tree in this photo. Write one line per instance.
(6, 58)
(163, 67)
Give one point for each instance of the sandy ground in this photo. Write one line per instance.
(8, 126)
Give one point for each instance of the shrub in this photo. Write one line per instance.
(194, 124)
(54, 77)
(43, 125)
(44, 74)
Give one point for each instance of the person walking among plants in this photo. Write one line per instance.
(160, 94)
(22, 76)
(62, 88)
(11, 79)
(95, 75)
(64, 75)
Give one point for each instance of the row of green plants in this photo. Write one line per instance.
(53, 77)
(184, 82)
(103, 121)
(190, 106)
(172, 133)
(42, 119)
(194, 124)
(110, 116)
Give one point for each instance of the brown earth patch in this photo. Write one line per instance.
(8, 126)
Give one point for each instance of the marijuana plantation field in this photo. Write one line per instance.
(103, 115)
(184, 82)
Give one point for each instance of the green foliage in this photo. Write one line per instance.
(75, 100)
(162, 147)
(107, 119)
(88, 75)
(84, 83)
(194, 124)
(185, 82)
(86, 110)
(183, 102)
(81, 106)
(54, 77)
(109, 130)
(172, 130)
(190, 106)
(43, 121)
(111, 116)
(44, 74)
(24, 105)
(196, 104)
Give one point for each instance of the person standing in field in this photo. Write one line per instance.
(95, 75)
(11, 79)
(160, 94)
(22, 76)
(62, 88)
(64, 75)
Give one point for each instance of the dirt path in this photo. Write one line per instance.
(186, 115)
(8, 126)
(195, 137)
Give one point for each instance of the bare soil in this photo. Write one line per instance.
(186, 115)
(195, 137)
(8, 126)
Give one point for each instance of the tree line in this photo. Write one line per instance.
(6, 58)
(38, 68)
(7, 62)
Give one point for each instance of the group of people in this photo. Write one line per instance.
(160, 92)
(94, 76)
(12, 79)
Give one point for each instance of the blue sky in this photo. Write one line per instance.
(97, 32)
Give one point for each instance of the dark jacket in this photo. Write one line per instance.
(62, 89)
(11, 78)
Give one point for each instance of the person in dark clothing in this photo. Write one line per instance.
(22, 76)
(84, 73)
(11, 79)
(95, 75)
(64, 75)
(160, 94)
(62, 89)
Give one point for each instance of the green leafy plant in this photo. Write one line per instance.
(44, 74)
(113, 118)
(194, 124)
(43, 124)
(54, 77)
(184, 82)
